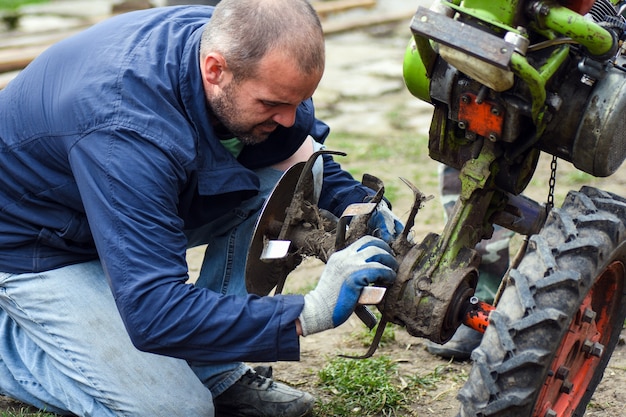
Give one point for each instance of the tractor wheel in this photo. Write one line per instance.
(559, 318)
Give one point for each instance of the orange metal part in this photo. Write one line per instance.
(481, 117)
(477, 316)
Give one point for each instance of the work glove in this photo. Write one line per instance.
(384, 224)
(347, 272)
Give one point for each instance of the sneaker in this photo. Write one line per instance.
(264, 370)
(460, 347)
(254, 395)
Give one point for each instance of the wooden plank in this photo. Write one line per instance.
(324, 8)
(15, 59)
(5, 77)
(48, 38)
(18, 51)
(382, 19)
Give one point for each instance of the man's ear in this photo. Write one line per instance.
(215, 69)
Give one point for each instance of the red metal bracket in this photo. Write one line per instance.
(481, 117)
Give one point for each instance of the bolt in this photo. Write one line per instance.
(495, 111)
(594, 349)
(465, 99)
(588, 315)
(554, 101)
(567, 387)
(587, 80)
(423, 284)
(597, 350)
(562, 372)
(462, 124)
(493, 137)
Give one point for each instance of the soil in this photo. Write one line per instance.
(413, 360)
(381, 107)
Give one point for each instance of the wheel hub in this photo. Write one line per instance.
(582, 347)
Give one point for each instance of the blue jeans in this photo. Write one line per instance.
(64, 347)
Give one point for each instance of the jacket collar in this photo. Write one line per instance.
(218, 171)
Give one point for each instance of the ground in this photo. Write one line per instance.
(414, 360)
(383, 129)
(410, 352)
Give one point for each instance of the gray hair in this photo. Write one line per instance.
(244, 31)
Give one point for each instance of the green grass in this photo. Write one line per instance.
(13, 5)
(361, 387)
(374, 387)
(10, 14)
(364, 336)
(400, 153)
(25, 412)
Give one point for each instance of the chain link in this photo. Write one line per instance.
(551, 184)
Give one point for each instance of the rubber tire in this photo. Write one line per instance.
(545, 292)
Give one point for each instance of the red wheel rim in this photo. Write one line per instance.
(582, 347)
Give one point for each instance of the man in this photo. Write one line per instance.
(120, 148)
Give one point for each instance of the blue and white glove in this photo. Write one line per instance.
(384, 224)
(347, 272)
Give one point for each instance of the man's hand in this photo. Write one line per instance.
(384, 224)
(347, 272)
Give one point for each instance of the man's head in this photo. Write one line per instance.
(259, 60)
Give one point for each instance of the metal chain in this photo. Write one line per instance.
(551, 184)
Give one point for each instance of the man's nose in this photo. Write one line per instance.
(286, 117)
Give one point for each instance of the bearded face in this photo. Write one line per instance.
(252, 108)
(236, 117)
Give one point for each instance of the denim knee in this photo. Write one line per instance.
(173, 404)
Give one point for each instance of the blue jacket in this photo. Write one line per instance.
(106, 152)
